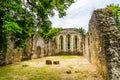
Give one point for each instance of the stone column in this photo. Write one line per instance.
(71, 42)
(58, 44)
(79, 43)
(64, 43)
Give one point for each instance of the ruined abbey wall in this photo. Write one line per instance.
(68, 41)
(102, 44)
(39, 47)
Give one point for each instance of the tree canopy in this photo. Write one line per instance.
(51, 33)
(24, 17)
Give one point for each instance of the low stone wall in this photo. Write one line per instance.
(102, 44)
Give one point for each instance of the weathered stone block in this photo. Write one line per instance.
(49, 62)
(55, 62)
(68, 71)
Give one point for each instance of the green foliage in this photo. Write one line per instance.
(23, 18)
(3, 40)
(116, 13)
(51, 33)
(11, 26)
(11, 12)
(81, 31)
(45, 8)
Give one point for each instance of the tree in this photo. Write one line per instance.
(8, 9)
(45, 8)
(51, 33)
(24, 17)
(116, 13)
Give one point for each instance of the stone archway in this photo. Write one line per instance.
(38, 51)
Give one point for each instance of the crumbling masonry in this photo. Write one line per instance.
(102, 44)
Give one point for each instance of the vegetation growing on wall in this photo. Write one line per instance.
(116, 13)
(81, 31)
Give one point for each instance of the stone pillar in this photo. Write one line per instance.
(58, 44)
(71, 42)
(64, 43)
(79, 43)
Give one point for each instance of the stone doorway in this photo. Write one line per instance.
(38, 52)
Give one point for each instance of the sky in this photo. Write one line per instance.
(79, 13)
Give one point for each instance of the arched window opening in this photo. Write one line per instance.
(68, 41)
(61, 42)
(76, 42)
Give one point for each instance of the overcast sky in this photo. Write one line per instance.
(79, 13)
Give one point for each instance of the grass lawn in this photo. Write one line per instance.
(36, 69)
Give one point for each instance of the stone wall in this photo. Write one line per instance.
(38, 47)
(10, 55)
(102, 44)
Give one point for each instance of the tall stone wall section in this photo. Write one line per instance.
(102, 44)
(71, 45)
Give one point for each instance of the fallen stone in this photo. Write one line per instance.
(24, 65)
(68, 72)
(48, 62)
(55, 62)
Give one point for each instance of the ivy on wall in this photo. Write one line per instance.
(116, 13)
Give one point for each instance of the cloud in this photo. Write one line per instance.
(79, 13)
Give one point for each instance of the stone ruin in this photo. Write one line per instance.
(100, 45)
(68, 41)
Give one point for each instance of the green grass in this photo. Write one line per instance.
(45, 72)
